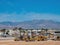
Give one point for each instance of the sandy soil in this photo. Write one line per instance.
(11, 42)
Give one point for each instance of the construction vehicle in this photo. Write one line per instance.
(41, 38)
(58, 38)
(32, 37)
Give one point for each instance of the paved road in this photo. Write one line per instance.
(6, 38)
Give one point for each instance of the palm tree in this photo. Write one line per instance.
(46, 31)
(20, 29)
(15, 28)
(31, 32)
(42, 31)
(3, 30)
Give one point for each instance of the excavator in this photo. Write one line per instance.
(32, 37)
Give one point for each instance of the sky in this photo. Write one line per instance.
(24, 10)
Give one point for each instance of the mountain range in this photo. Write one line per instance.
(33, 24)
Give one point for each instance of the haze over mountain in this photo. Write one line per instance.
(33, 24)
(13, 12)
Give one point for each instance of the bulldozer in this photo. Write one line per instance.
(34, 37)
(58, 38)
(41, 38)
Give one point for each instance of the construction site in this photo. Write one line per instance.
(32, 37)
(36, 35)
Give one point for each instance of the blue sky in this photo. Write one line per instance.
(23, 10)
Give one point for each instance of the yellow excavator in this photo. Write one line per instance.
(33, 37)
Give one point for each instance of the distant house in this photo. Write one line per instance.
(8, 32)
(2, 32)
(57, 32)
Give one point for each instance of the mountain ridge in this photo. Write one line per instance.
(33, 24)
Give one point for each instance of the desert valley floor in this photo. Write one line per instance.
(11, 42)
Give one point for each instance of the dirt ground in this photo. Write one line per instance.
(11, 42)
